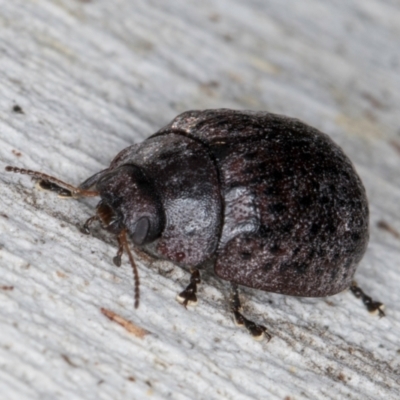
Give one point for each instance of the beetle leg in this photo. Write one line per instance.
(257, 331)
(372, 306)
(188, 296)
(86, 226)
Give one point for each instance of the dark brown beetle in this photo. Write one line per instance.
(273, 203)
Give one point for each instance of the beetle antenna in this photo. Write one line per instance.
(122, 241)
(48, 182)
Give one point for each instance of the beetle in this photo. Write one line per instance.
(273, 203)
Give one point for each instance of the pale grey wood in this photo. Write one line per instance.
(93, 77)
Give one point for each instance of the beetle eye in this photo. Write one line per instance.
(141, 229)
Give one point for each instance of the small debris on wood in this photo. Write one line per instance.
(68, 360)
(16, 153)
(341, 377)
(209, 87)
(214, 17)
(129, 326)
(396, 145)
(386, 227)
(18, 109)
(374, 101)
(7, 287)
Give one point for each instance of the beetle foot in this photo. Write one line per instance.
(374, 307)
(258, 332)
(188, 296)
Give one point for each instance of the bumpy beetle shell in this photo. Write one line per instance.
(276, 203)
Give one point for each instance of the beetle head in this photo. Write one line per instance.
(129, 205)
(129, 201)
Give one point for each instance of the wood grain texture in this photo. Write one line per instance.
(81, 80)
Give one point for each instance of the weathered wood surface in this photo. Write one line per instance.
(92, 77)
